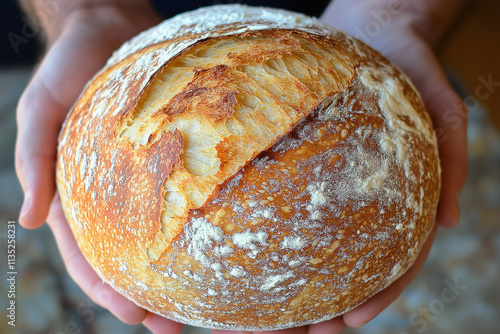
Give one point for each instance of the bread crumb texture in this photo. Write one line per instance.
(248, 168)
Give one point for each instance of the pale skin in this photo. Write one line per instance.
(81, 35)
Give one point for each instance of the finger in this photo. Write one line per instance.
(40, 113)
(376, 304)
(42, 109)
(160, 325)
(449, 117)
(39, 118)
(332, 326)
(83, 274)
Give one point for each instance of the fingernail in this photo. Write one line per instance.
(26, 205)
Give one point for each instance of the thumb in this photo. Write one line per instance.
(40, 113)
(449, 116)
(65, 69)
(39, 117)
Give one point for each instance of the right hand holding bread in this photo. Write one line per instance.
(408, 35)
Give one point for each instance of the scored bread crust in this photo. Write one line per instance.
(248, 168)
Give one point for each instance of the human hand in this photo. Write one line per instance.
(406, 35)
(79, 41)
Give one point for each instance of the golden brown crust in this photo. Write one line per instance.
(205, 93)
(249, 177)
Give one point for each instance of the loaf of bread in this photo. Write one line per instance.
(248, 168)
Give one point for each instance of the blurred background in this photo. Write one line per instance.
(467, 257)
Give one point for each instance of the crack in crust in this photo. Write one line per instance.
(231, 98)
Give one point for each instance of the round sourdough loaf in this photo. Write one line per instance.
(248, 168)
